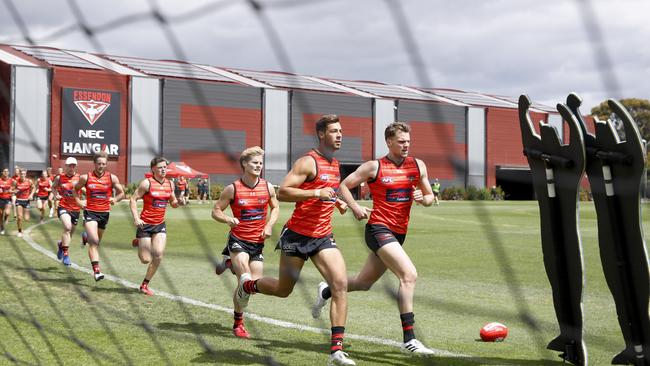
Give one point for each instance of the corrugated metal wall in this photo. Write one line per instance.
(276, 135)
(384, 115)
(145, 134)
(30, 117)
(355, 114)
(438, 138)
(207, 125)
(476, 146)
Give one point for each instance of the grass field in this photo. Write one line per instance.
(477, 263)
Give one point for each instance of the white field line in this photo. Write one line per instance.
(275, 322)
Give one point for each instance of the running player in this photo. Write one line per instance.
(248, 198)
(13, 195)
(68, 209)
(99, 186)
(151, 231)
(182, 186)
(25, 189)
(44, 193)
(6, 191)
(395, 181)
(312, 183)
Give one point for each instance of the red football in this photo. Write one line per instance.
(494, 332)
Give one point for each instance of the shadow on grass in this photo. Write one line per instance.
(234, 357)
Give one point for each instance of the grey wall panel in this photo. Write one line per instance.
(446, 159)
(275, 176)
(144, 128)
(384, 115)
(322, 103)
(276, 131)
(30, 117)
(476, 146)
(137, 172)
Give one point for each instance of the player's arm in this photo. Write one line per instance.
(303, 169)
(54, 192)
(142, 189)
(173, 201)
(222, 203)
(423, 193)
(33, 190)
(77, 189)
(366, 171)
(118, 188)
(273, 215)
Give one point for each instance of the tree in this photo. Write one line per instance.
(639, 109)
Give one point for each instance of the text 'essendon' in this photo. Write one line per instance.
(85, 95)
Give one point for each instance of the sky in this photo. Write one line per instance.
(545, 49)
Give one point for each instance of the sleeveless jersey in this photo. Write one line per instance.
(23, 189)
(155, 201)
(249, 207)
(44, 186)
(5, 188)
(392, 193)
(182, 185)
(313, 217)
(98, 192)
(65, 188)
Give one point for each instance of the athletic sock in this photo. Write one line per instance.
(337, 339)
(326, 294)
(95, 265)
(145, 282)
(239, 319)
(408, 319)
(250, 287)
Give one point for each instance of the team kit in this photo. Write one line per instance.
(396, 181)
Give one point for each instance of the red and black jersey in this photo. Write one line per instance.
(98, 192)
(249, 207)
(5, 188)
(182, 184)
(155, 201)
(23, 189)
(65, 188)
(392, 193)
(44, 187)
(313, 217)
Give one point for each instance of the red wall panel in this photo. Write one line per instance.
(226, 118)
(504, 146)
(89, 79)
(352, 126)
(433, 143)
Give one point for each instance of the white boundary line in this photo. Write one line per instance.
(271, 321)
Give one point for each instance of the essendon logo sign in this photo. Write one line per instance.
(91, 121)
(91, 103)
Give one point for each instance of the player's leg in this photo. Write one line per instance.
(94, 237)
(19, 219)
(66, 237)
(370, 273)
(396, 259)
(331, 266)
(240, 264)
(40, 204)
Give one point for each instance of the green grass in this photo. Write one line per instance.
(477, 262)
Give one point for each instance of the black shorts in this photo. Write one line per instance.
(74, 215)
(236, 245)
(436, 194)
(100, 217)
(148, 230)
(293, 244)
(44, 198)
(23, 203)
(4, 202)
(379, 235)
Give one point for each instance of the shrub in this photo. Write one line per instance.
(471, 193)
